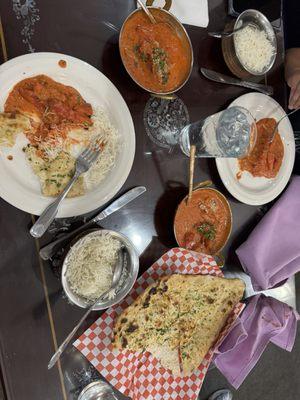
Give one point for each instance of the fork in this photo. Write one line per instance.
(220, 35)
(277, 125)
(83, 163)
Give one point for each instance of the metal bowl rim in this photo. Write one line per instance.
(267, 22)
(134, 258)
(229, 208)
(190, 46)
(90, 385)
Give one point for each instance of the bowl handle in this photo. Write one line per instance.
(219, 259)
(171, 96)
(167, 6)
(202, 184)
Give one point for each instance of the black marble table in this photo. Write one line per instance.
(35, 315)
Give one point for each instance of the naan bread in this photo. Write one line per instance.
(150, 324)
(54, 174)
(205, 304)
(11, 124)
(178, 319)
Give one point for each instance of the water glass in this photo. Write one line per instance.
(229, 133)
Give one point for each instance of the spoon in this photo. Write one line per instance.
(220, 35)
(192, 168)
(116, 278)
(152, 19)
(276, 126)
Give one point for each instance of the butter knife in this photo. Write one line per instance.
(50, 249)
(217, 77)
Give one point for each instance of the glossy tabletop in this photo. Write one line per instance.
(35, 314)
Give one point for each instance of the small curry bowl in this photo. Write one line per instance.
(184, 37)
(227, 231)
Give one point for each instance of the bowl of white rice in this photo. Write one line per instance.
(88, 268)
(253, 49)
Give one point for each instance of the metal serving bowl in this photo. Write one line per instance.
(205, 187)
(98, 390)
(177, 25)
(230, 54)
(262, 22)
(132, 265)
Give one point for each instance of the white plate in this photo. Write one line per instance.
(257, 191)
(18, 185)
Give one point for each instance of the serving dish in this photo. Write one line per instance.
(231, 56)
(173, 22)
(131, 263)
(183, 204)
(97, 390)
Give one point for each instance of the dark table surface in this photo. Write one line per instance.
(34, 312)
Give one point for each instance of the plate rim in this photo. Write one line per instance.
(87, 207)
(220, 163)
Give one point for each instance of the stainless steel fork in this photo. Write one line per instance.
(277, 125)
(83, 164)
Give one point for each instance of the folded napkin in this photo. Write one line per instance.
(264, 319)
(191, 12)
(271, 254)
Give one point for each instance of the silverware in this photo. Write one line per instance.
(217, 77)
(49, 250)
(116, 278)
(191, 172)
(276, 126)
(83, 163)
(146, 10)
(220, 35)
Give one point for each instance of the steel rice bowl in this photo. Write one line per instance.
(181, 30)
(132, 267)
(262, 22)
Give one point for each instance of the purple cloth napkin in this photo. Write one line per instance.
(264, 319)
(271, 253)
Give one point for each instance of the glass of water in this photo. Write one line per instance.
(229, 133)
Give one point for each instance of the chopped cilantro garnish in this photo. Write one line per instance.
(208, 230)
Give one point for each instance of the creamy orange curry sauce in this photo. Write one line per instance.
(54, 107)
(266, 158)
(154, 54)
(204, 223)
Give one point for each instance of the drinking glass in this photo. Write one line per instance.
(229, 133)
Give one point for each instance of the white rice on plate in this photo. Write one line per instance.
(102, 128)
(78, 139)
(107, 158)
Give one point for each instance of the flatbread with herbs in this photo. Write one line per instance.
(178, 319)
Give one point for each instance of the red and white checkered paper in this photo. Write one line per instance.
(140, 376)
